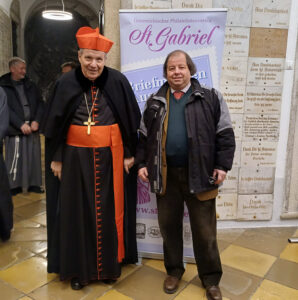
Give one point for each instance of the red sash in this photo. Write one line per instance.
(106, 136)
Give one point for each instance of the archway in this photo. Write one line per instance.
(50, 43)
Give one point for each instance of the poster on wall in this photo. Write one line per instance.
(146, 38)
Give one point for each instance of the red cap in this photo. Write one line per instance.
(89, 38)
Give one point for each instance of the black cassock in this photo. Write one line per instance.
(6, 206)
(74, 249)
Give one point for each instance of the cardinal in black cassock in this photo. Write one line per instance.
(90, 127)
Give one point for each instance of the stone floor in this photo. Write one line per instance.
(258, 264)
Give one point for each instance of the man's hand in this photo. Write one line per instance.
(56, 167)
(220, 175)
(143, 174)
(34, 126)
(26, 129)
(128, 163)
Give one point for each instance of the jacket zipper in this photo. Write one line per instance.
(159, 136)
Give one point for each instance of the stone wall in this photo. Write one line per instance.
(290, 207)
(5, 42)
(251, 83)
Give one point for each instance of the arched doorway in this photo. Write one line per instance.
(50, 43)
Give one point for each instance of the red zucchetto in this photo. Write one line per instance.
(89, 38)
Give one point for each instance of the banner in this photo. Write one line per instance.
(146, 38)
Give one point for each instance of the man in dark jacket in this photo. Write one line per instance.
(22, 144)
(186, 147)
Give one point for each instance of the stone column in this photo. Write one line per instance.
(111, 31)
(5, 41)
(290, 205)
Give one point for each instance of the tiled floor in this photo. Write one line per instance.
(259, 264)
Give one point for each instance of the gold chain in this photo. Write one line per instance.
(90, 111)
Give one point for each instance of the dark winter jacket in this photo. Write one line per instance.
(211, 141)
(16, 111)
(4, 120)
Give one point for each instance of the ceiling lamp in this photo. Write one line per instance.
(59, 15)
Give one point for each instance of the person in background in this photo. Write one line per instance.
(6, 206)
(67, 66)
(92, 121)
(22, 143)
(186, 147)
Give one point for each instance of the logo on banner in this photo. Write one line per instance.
(141, 230)
(167, 36)
(154, 232)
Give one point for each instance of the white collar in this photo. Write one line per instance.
(183, 90)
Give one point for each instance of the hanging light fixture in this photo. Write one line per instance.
(58, 15)
(101, 16)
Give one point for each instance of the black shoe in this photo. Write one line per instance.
(5, 237)
(75, 284)
(36, 189)
(16, 191)
(109, 281)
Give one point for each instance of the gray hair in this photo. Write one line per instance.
(15, 60)
(68, 64)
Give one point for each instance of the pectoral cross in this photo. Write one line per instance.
(89, 123)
